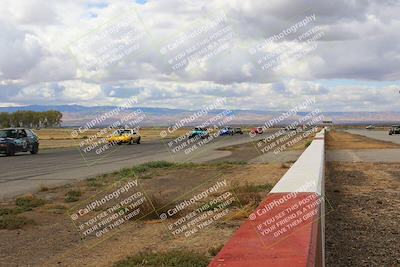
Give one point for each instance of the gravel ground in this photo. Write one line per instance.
(362, 226)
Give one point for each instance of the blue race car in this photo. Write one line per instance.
(227, 131)
(199, 131)
(13, 140)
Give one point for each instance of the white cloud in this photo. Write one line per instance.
(78, 91)
(360, 43)
(36, 93)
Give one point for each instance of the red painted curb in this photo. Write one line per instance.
(283, 233)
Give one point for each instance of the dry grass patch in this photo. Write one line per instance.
(165, 182)
(10, 215)
(28, 202)
(174, 258)
(13, 221)
(62, 138)
(61, 143)
(344, 140)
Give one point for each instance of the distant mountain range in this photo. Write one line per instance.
(75, 115)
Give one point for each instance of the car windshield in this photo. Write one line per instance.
(117, 132)
(122, 132)
(8, 134)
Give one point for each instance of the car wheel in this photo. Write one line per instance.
(10, 151)
(35, 149)
(130, 141)
(138, 141)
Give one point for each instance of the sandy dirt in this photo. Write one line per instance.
(344, 140)
(363, 218)
(54, 241)
(363, 228)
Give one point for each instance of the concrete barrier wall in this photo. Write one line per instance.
(287, 228)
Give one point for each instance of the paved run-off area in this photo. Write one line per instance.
(363, 191)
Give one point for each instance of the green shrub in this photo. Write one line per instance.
(135, 170)
(28, 202)
(72, 196)
(213, 251)
(307, 143)
(248, 187)
(126, 172)
(228, 164)
(175, 258)
(92, 182)
(12, 221)
(7, 211)
(251, 187)
(158, 164)
(249, 193)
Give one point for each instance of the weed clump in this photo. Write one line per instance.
(136, 170)
(12, 221)
(249, 193)
(307, 143)
(213, 251)
(29, 202)
(72, 196)
(175, 258)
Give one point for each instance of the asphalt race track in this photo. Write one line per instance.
(24, 172)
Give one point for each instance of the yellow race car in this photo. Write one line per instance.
(128, 136)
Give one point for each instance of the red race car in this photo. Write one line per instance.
(257, 130)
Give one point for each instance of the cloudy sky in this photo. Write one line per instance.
(263, 55)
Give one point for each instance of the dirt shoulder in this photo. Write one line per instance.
(47, 236)
(343, 140)
(363, 209)
(363, 228)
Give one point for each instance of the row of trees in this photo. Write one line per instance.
(31, 119)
